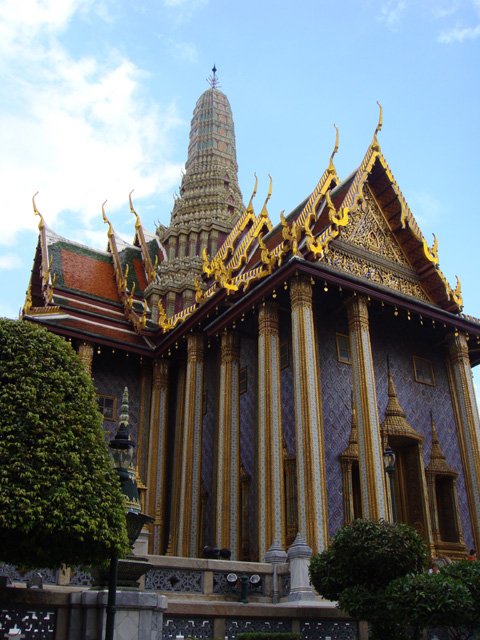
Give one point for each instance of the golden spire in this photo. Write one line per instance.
(331, 168)
(375, 145)
(438, 462)
(395, 422)
(352, 451)
(264, 212)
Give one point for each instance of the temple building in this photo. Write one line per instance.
(269, 367)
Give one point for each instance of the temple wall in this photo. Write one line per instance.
(248, 416)
(209, 427)
(417, 399)
(111, 373)
(287, 391)
(336, 382)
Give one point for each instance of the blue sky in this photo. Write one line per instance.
(97, 98)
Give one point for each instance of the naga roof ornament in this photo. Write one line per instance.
(150, 269)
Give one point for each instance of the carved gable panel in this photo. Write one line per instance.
(366, 248)
(368, 229)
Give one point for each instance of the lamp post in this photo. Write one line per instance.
(389, 463)
(121, 450)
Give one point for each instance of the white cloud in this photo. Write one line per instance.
(461, 31)
(183, 10)
(77, 130)
(459, 34)
(392, 11)
(185, 51)
(10, 261)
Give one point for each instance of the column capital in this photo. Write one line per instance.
(301, 291)
(268, 317)
(161, 368)
(195, 346)
(230, 349)
(457, 346)
(357, 309)
(85, 353)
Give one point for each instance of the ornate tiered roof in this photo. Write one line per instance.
(358, 233)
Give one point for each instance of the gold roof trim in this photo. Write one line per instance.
(126, 298)
(48, 282)
(150, 269)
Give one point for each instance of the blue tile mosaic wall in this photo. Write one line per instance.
(111, 373)
(401, 340)
(210, 386)
(287, 395)
(336, 390)
(248, 417)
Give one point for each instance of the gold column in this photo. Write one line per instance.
(468, 427)
(85, 353)
(157, 452)
(372, 473)
(271, 512)
(311, 476)
(227, 525)
(190, 480)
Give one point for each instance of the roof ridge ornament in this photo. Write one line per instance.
(375, 145)
(264, 212)
(331, 167)
(41, 224)
(213, 80)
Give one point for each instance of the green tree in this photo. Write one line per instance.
(362, 559)
(60, 499)
(449, 599)
(426, 601)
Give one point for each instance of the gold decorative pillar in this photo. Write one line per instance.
(311, 476)
(85, 353)
(227, 525)
(467, 421)
(190, 481)
(157, 452)
(372, 473)
(271, 512)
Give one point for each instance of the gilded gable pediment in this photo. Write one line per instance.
(367, 248)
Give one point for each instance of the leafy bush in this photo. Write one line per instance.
(362, 559)
(60, 499)
(429, 601)
(449, 599)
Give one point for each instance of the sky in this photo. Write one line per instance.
(97, 98)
